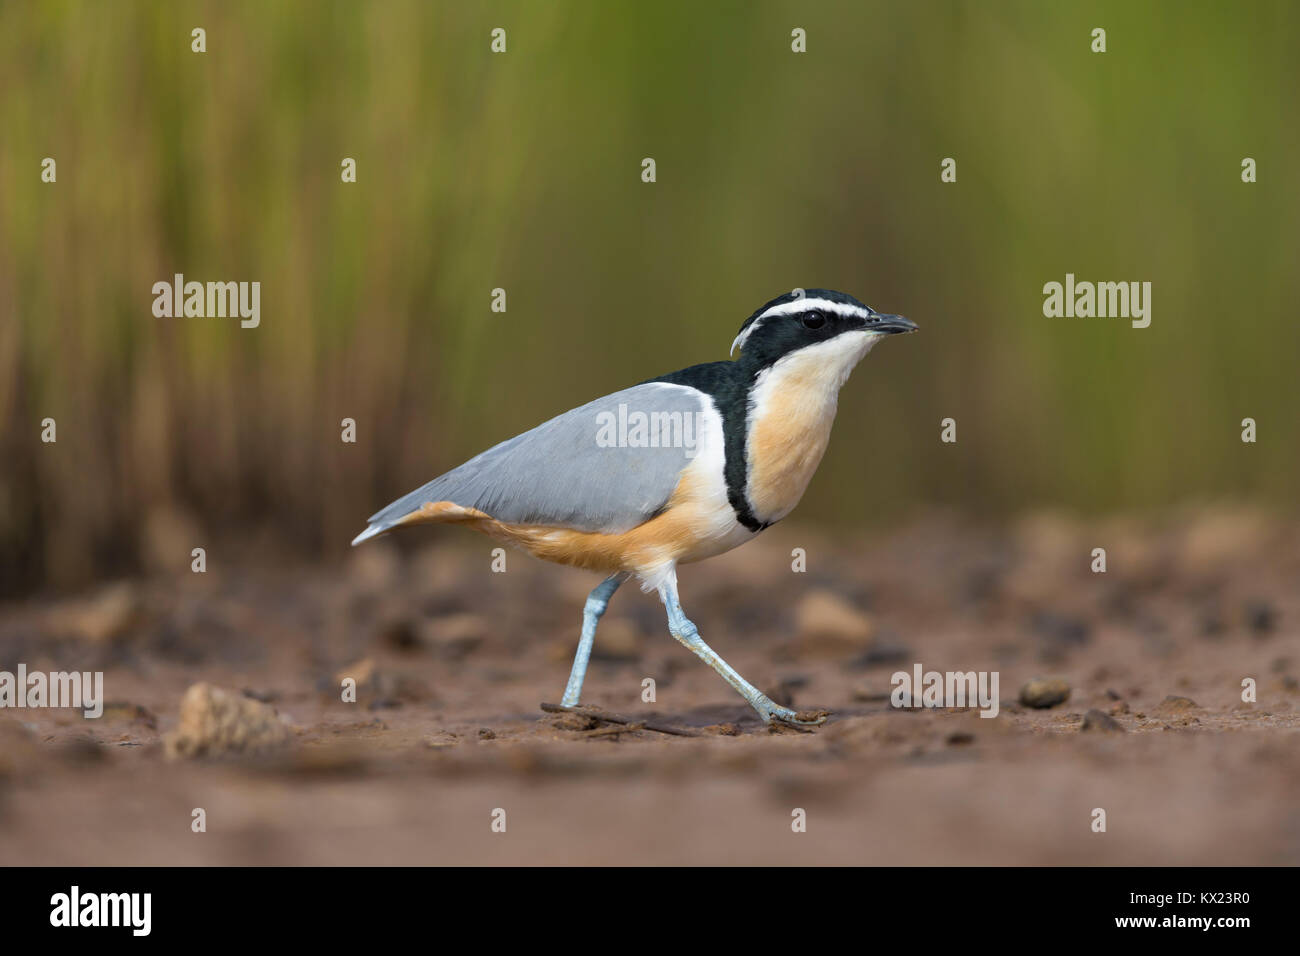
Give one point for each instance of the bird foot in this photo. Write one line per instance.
(773, 712)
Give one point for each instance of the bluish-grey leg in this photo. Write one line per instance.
(597, 601)
(686, 632)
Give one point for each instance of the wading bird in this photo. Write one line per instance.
(677, 469)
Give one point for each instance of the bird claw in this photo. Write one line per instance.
(772, 712)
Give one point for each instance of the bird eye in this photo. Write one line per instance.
(812, 320)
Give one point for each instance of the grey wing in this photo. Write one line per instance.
(594, 468)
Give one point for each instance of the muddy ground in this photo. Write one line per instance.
(453, 661)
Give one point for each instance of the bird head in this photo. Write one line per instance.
(839, 327)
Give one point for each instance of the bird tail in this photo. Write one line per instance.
(374, 531)
(406, 511)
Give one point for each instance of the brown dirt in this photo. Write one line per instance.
(453, 662)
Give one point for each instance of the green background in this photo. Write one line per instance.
(522, 171)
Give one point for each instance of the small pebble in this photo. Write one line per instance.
(1096, 720)
(1043, 692)
(1260, 616)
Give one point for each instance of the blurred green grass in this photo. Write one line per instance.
(522, 171)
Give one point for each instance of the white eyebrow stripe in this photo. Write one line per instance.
(803, 305)
(795, 306)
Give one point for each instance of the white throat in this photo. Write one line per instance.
(791, 409)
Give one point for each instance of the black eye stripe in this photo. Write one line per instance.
(812, 320)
